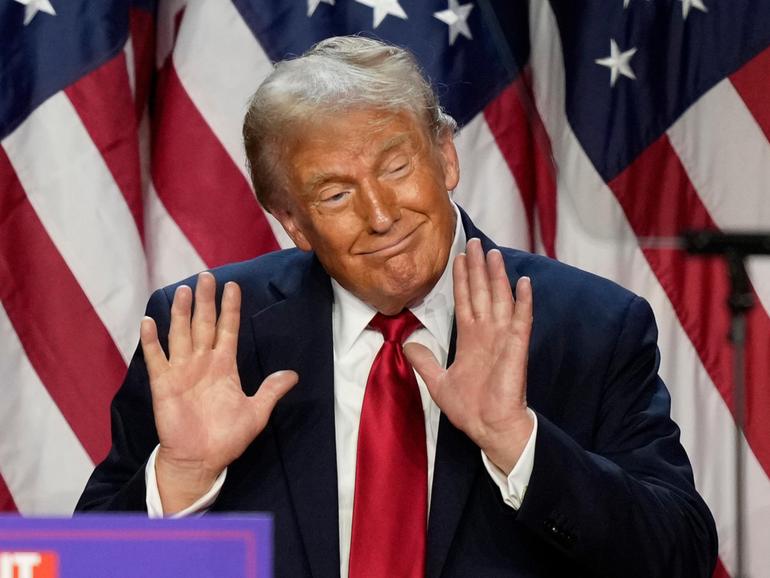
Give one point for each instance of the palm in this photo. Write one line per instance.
(200, 410)
(485, 382)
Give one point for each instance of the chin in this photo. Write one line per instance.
(399, 282)
(404, 292)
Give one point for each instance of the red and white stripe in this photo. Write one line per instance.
(98, 210)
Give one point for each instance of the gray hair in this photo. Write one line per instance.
(334, 75)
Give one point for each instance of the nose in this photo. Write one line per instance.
(378, 206)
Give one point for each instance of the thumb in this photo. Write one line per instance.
(426, 364)
(273, 388)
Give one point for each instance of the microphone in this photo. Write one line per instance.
(712, 242)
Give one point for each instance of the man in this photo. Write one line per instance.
(545, 447)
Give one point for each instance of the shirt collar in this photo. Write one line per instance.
(350, 315)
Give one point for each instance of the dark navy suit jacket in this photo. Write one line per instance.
(611, 492)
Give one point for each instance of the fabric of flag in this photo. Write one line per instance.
(588, 130)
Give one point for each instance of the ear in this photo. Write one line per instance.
(449, 161)
(291, 225)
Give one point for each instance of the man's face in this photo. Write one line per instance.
(368, 193)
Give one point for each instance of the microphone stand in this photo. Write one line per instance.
(734, 248)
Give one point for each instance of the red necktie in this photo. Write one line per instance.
(390, 506)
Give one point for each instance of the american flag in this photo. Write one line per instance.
(588, 128)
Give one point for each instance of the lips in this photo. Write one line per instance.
(393, 247)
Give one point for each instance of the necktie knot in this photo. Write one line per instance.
(395, 328)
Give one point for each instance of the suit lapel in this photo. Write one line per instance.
(455, 468)
(458, 462)
(296, 333)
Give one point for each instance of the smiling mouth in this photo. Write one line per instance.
(395, 247)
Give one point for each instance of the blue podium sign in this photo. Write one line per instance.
(119, 546)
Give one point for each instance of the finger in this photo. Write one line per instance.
(425, 364)
(478, 280)
(523, 309)
(517, 356)
(462, 292)
(205, 314)
(502, 296)
(229, 319)
(517, 344)
(273, 388)
(154, 356)
(179, 344)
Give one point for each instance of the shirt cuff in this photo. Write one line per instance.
(514, 485)
(154, 504)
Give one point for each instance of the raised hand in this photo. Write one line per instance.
(483, 392)
(203, 418)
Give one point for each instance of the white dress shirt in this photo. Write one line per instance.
(355, 347)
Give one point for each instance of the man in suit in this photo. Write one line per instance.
(547, 448)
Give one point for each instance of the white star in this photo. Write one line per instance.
(618, 62)
(687, 4)
(383, 8)
(32, 7)
(313, 4)
(456, 17)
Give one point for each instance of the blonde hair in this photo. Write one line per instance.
(336, 74)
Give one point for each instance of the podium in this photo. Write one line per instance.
(121, 546)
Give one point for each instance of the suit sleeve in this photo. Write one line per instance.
(118, 483)
(626, 505)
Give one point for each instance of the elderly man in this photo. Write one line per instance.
(525, 445)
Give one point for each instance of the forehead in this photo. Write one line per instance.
(350, 137)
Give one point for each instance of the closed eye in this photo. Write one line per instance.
(398, 167)
(335, 199)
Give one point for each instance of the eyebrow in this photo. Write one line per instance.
(392, 143)
(319, 179)
(325, 177)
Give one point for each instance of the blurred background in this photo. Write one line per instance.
(592, 132)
